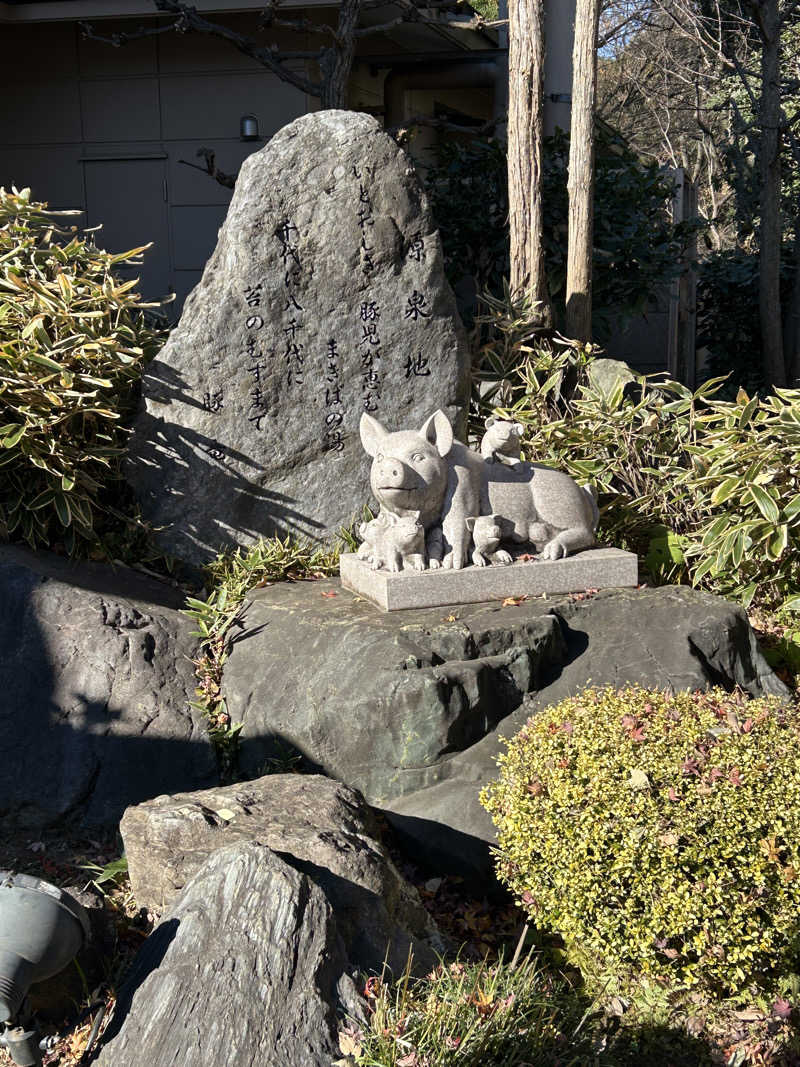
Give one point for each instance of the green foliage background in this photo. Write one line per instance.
(636, 248)
(707, 489)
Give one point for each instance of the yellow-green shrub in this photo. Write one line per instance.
(73, 340)
(659, 835)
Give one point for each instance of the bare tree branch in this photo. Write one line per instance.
(228, 180)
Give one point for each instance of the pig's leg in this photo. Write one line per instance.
(416, 562)
(572, 540)
(463, 498)
(478, 559)
(435, 547)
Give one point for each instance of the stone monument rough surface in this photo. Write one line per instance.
(325, 298)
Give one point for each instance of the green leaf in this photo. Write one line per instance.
(10, 440)
(790, 511)
(764, 502)
(725, 490)
(62, 509)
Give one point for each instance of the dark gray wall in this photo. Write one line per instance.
(89, 126)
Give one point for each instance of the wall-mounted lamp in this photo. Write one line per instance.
(248, 128)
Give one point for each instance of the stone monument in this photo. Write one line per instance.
(325, 298)
(445, 508)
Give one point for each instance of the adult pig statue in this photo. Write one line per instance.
(429, 472)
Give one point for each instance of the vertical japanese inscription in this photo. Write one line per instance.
(366, 218)
(258, 407)
(370, 348)
(294, 348)
(334, 405)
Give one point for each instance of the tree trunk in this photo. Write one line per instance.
(336, 61)
(580, 184)
(525, 70)
(769, 297)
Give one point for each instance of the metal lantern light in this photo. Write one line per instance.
(41, 929)
(248, 128)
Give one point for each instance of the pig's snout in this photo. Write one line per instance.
(391, 474)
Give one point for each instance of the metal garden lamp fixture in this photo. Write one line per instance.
(41, 929)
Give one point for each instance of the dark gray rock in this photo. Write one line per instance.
(95, 683)
(246, 968)
(319, 826)
(378, 702)
(409, 706)
(325, 298)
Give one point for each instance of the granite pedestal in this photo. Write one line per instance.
(596, 568)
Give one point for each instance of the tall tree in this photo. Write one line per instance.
(525, 106)
(710, 84)
(580, 181)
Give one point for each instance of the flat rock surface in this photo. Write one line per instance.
(246, 968)
(324, 298)
(96, 679)
(318, 826)
(408, 706)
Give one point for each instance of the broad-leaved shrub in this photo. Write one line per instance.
(658, 835)
(707, 489)
(73, 340)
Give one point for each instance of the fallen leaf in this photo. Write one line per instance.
(513, 601)
(349, 1041)
(526, 557)
(670, 838)
(673, 796)
(328, 594)
(782, 1008)
(638, 780)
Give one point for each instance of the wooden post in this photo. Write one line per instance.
(580, 184)
(525, 72)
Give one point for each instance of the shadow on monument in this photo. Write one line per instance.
(201, 465)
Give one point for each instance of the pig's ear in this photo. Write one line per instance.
(490, 421)
(372, 433)
(437, 431)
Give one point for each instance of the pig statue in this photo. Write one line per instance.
(393, 541)
(429, 472)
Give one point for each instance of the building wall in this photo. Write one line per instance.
(105, 129)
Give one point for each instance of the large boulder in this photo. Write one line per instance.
(319, 826)
(324, 298)
(96, 678)
(247, 968)
(408, 706)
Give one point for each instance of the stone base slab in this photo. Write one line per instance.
(597, 568)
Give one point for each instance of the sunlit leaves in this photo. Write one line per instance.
(73, 340)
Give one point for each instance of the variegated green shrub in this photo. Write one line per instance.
(73, 340)
(658, 835)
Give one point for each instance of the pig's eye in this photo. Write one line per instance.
(417, 458)
(379, 457)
